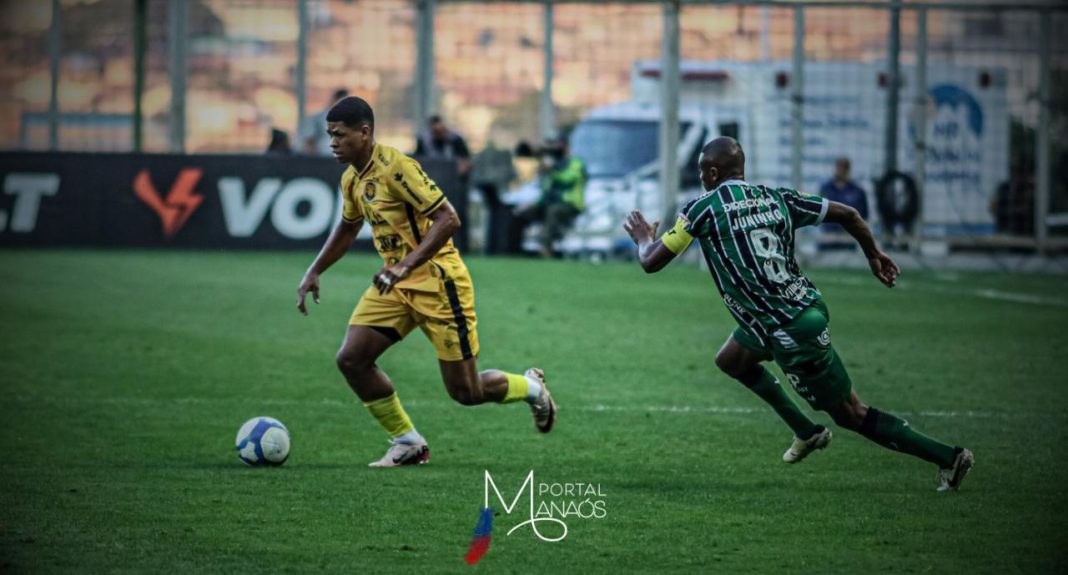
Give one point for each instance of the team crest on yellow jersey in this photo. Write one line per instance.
(369, 191)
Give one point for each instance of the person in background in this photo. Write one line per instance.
(314, 138)
(563, 189)
(279, 145)
(492, 172)
(842, 189)
(438, 141)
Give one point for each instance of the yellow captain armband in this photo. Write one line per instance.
(677, 238)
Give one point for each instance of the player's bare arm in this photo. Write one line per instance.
(336, 245)
(652, 253)
(881, 265)
(445, 222)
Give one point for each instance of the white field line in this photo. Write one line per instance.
(1020, 297)
(443, 405)
(984, 293)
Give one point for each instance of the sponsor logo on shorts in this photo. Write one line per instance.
(824, 338)
(802, 390)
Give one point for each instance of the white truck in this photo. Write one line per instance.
(844, 115)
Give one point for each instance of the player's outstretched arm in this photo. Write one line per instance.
(444, 221)
(881, 265)
(653, 255)
(336, 245)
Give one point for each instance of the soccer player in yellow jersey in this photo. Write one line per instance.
(423, 283)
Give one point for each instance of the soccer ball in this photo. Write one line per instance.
(263, 441)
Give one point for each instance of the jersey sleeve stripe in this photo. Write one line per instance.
(824, 206)
(811, 206)
(433, 206)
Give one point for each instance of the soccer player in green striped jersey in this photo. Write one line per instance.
(746, 233)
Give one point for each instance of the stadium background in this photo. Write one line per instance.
(214, 77)
(125, 372)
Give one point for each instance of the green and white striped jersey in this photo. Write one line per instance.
(747, 235)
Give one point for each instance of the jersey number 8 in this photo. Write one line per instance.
(766, 246)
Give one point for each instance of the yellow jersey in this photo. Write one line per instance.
(395, 196)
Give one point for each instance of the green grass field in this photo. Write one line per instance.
(125, 376)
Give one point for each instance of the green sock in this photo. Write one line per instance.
(767, 387)
(894, 433)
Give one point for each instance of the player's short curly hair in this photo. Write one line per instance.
(352, 111)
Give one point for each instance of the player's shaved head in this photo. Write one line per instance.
(726, 155)
(722, 159)
(353, 112)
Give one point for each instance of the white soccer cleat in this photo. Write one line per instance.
(544, 408)
(802, 447)
(404, 454)
(949, 479)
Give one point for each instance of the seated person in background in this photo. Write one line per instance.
(438, 141)
(563, 186)
(844, 190)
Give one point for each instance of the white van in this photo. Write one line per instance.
(620, 145)
(844, 115)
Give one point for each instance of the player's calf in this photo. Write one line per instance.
(895, 433)
(467, 395)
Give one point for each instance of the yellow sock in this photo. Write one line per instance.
(390, 415)
(518, 387)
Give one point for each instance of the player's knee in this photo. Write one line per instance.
(351, 363)
(729, 364)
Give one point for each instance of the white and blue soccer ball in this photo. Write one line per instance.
(263, 441)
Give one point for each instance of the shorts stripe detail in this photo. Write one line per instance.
(458, 315)
(784, 339)
(411, 222)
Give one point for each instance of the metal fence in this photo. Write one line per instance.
(972, 143)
